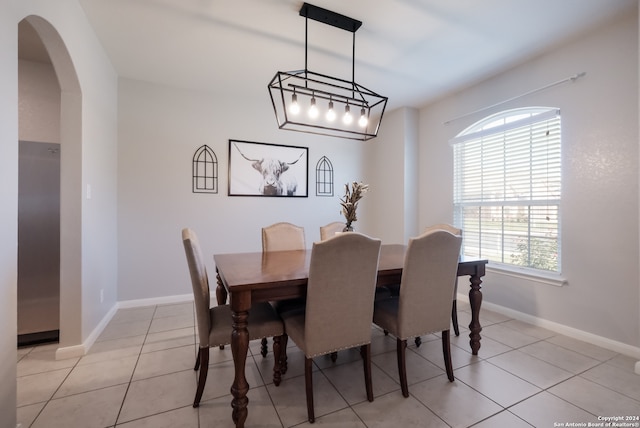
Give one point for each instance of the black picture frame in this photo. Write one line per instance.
(268, 170)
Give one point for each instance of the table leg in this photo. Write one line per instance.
(221, 292)
(239, 350)
(475, 301)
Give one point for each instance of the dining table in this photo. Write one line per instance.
(248, 278)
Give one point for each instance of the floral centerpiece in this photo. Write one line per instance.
(349, 202)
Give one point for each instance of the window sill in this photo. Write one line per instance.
(521, 273)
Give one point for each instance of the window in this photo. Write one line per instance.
(507, 185)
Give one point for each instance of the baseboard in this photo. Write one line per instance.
(180, 298)
(603, 342)
(76, 351)
(81, 350)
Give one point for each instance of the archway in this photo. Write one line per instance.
(70, 183)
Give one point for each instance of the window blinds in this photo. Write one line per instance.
(507, 189)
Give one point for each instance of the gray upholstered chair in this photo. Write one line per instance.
(331, 229)
(342, 278)
(426, 295)
(283, 236)
(394, 289)
(454, 310)
(215, 324)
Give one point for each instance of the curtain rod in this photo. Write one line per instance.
(568, 79)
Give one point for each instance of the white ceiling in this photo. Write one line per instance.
(409, 50)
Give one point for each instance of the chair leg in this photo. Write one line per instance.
(365, 350)
(277, 354)
(202, 377)
(334, 357)
(402, 367)
(308, 381)
(454, 317)
(418, 341)
(264, 349)
(446, 351)
(197, 366)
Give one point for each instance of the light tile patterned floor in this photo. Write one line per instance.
(140, 374)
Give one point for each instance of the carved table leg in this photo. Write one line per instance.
(239, 349)
(475, 300)
(221, 294)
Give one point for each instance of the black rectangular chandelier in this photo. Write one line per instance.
(316, 103)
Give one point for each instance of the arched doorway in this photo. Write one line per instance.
(70, 138)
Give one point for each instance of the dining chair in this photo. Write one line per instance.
(283, 236)
(339, 308)
(426, 295)
(394, 288)
(454, 309)
(214, 324)
(329, 230)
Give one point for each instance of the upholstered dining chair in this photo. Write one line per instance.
(329, 230)
(454, 310)
(339, 309)
(426, 295)
(283, 236)
(215, 324)
(394, 288)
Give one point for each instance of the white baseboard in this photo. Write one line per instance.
(180, 298)
(76, 351)
(81, 350)
(574, 333)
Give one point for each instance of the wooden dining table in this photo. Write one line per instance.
(247, 278)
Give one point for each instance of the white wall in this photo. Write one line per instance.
(9, 211)
(88, 128)
(160, 129)
(392, 162)
(600, 178)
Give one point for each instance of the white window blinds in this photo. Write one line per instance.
(507, 188)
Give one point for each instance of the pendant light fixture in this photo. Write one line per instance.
(315, 103)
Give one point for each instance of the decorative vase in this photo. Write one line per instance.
(348, 228)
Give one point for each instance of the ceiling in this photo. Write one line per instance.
(412, 51)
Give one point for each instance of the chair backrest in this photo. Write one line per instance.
(428, 283)
(330, 230)
(342, 280)
(444, 226)
(283, 237)
(199, 283)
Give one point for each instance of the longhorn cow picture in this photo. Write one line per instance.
(261, 169)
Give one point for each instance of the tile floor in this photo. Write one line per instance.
(139, 373)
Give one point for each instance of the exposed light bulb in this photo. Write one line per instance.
(294, 107)
(363, 121)
(313, 110)
(347, 118)
(331, 113)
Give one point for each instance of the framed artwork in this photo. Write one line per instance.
(261, 169)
